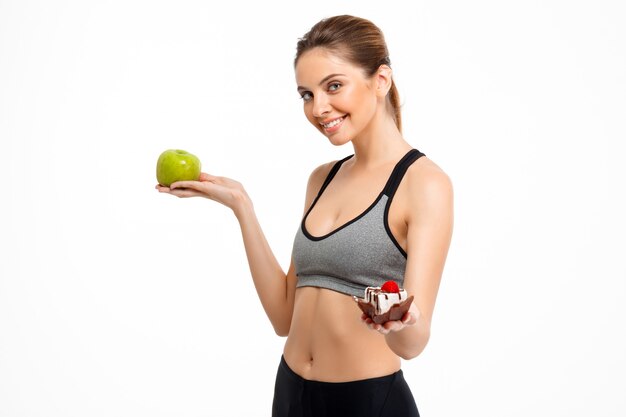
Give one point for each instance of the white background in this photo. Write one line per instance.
(110, 293)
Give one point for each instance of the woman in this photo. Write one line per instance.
(336, 361)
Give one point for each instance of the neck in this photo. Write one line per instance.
(380, 143)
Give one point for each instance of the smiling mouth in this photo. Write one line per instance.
(332, 123)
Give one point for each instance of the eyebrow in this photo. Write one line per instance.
(326, 78)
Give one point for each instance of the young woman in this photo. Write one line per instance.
(383, 213)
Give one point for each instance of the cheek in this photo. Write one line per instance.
(367, 105)
(356, 101)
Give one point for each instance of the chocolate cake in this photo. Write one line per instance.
(384, 303)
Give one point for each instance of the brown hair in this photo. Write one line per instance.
(357, 40)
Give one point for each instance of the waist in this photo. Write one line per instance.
(328, 341)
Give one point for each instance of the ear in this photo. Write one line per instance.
(383, 80)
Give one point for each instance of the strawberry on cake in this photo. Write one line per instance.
(385, 303)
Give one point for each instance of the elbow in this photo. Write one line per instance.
(281, 332)
(281, 329)
(413, 351)
(410, 355)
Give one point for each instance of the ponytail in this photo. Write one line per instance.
(394, 100)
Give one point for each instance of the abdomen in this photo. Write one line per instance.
(329, 342)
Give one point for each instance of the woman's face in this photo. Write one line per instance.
(339, 100)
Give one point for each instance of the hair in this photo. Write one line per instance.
(359, 42)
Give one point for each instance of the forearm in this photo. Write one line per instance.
(411, 340)
(267, 274)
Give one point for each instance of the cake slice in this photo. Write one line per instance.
(385, 303)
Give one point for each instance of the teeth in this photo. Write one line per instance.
(333, 123)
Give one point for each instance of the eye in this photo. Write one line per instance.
(334, 87)
(306, 96)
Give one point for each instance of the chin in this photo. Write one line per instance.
(341, 143)
(338, 140)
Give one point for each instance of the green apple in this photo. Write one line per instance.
(177, 165)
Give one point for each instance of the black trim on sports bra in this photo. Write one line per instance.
(392, 187)
(332, 232)
(399, 170)
(329, 178)
(389, 190)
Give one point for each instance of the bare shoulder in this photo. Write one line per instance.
(425, 172)
(428, 186)
(319, 174)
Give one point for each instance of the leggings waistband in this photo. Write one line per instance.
(292, 374)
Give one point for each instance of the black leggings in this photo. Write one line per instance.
(384, 396)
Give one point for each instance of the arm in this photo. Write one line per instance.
(263, 265)
(430, 222)
(276, 289)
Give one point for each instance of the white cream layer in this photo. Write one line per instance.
(383, 301)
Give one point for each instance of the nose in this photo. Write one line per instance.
(321, 105)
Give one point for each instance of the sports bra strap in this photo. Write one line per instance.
(394, 179)
(398, 172)
(332, 174)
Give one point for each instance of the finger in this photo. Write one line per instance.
(194, 185)
(390, 326)
(162, 189)
(386, 327)
(169, 190)
(185, 193)
(408, 319)
(207, 177)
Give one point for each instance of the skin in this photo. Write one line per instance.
(328, 338)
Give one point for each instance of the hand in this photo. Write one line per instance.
(221, 189)
(409, 319)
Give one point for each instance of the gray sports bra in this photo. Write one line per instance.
(358, 254)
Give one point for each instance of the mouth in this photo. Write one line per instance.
(333, 124)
